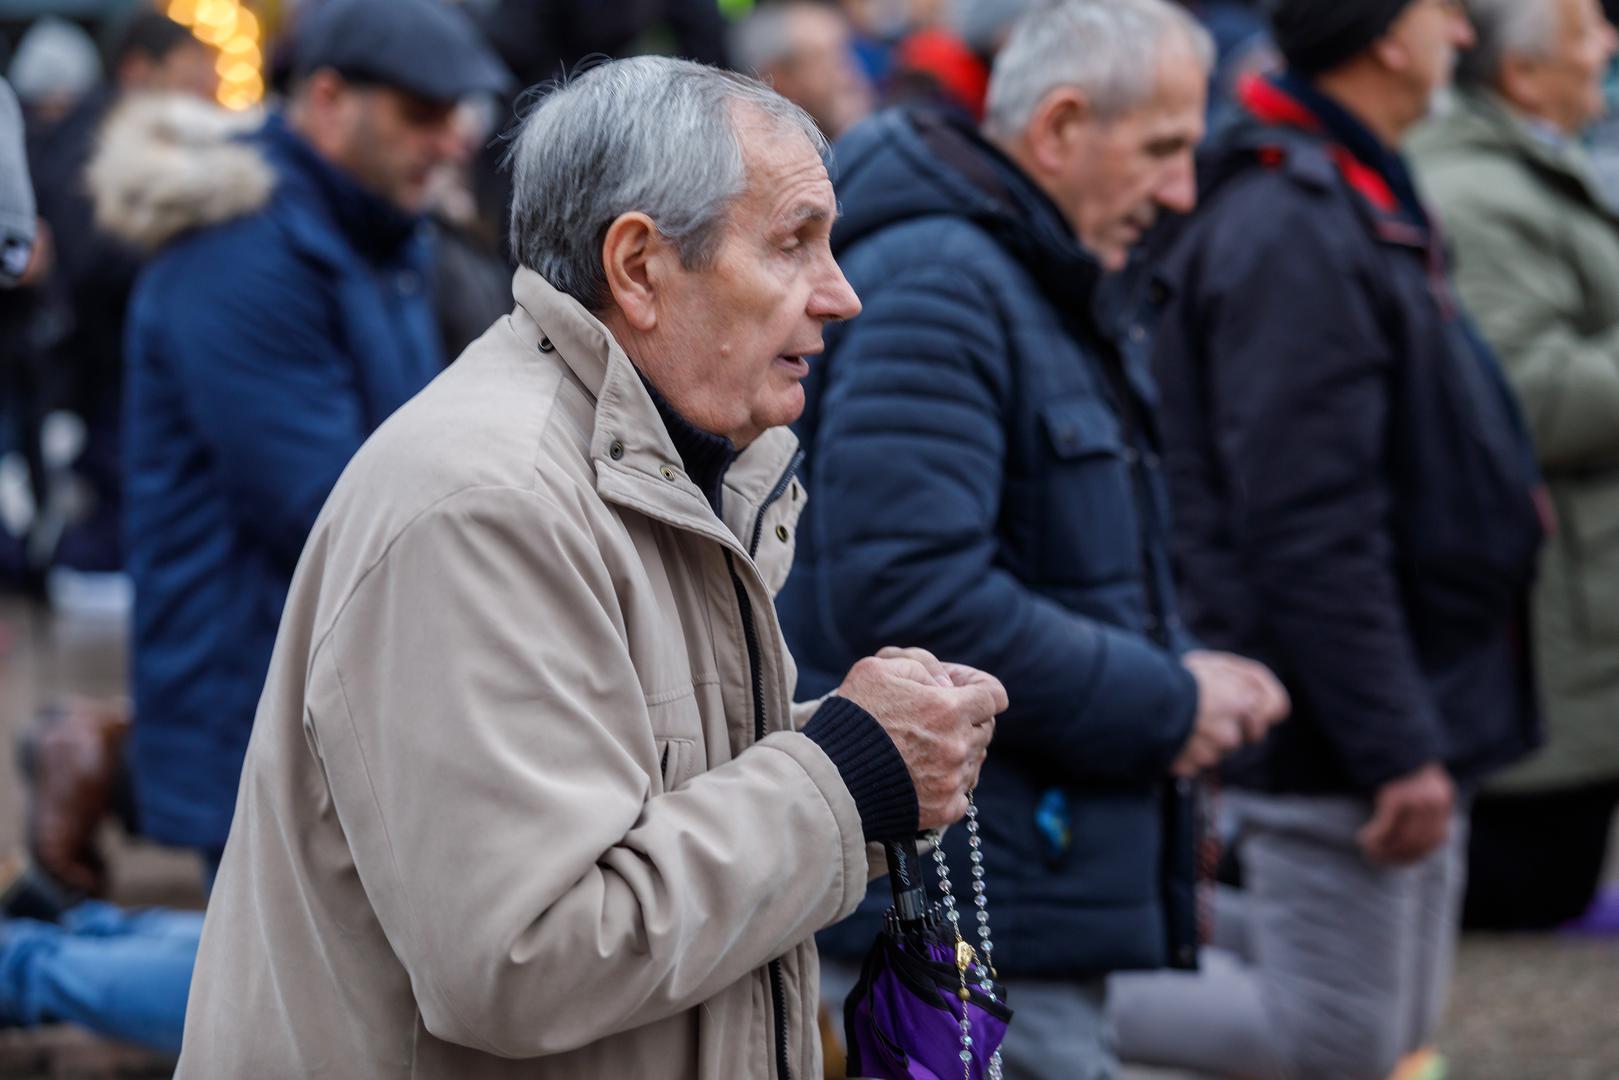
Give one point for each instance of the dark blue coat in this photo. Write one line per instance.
(261, 353)
(984, 482)
(1352, 479)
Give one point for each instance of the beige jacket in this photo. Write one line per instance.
(505, 812)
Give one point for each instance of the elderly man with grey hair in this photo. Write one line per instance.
(1536, 247)
(527, 795)
(984, 458)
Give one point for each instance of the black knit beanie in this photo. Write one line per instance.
(1318, 35)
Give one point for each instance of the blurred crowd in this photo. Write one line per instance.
(1321, 423)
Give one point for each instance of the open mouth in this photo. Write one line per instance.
(796, 364)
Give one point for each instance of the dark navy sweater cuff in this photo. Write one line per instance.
(871, 767)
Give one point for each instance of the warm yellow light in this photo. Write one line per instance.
(233, 29)
(183, 12)
(217, 13)
(235, 71)
(214, 35)
(242, 47)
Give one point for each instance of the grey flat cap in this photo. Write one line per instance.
(427, 47)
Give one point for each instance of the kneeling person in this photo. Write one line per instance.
(525, 782)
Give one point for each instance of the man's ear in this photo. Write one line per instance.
(1059, 122)
(321, 109)
(632, 255)
(1391, 52)
(1519, 82)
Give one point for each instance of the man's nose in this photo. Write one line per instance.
(1179, 189)
(834, 300)
(1461, 32)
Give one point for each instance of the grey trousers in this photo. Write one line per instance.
(1059, 1029)
(1326, 967)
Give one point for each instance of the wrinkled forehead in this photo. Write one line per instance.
(786, 179)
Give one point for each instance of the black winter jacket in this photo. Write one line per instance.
(1353, 484)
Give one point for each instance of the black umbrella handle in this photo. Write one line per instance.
(905, 877)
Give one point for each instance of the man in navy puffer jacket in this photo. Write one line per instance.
(984, 481)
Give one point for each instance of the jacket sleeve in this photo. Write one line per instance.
(1532, 309)
(488, 748)
(1297, 377)
(266, 381)
(908, 472)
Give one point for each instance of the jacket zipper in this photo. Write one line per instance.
(1183, 793)
(750, 635)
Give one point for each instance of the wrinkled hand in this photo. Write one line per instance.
(941, 718)
(1410, 818)
(1238, 701)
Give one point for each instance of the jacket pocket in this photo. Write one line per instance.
(676, 759)
(1591, 519)
(675, 713)
(1090, 520)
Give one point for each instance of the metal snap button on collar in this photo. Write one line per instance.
(616, 451)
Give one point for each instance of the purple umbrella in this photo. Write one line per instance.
(926, 1007)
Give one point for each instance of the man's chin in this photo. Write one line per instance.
(410, 198)
(787, 408)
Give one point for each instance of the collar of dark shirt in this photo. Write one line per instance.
(706, 457)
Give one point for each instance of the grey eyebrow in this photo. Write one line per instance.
(802, 214)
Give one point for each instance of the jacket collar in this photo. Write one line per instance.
(1484, 119)
(637, 463)
(1023, 216)
(373, 226)
(1376, 173)
(906, 164)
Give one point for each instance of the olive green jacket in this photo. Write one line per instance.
(1537, 262)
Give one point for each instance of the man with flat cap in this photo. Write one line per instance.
(1356, 504)
(286, 313)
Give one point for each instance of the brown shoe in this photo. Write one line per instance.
(71, 758)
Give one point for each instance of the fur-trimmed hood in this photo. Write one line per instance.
(166, 164)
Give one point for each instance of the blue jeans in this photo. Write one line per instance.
(121, 974)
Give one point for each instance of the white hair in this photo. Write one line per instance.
(1504, 27)
(1107, 48)
(648, 134)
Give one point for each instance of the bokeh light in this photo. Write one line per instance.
(232, 28)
